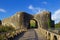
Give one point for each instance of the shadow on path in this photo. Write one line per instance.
(17, 37)
(36, 36)
(21, 35)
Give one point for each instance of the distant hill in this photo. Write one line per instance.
(57, 25)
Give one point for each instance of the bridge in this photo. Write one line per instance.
(21, 21)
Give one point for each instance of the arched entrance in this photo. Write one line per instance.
(49, 36)
(0, 22)
(33, 24)
(55, 38)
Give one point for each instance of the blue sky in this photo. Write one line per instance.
(10, 7)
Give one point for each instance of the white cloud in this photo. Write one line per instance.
(34, 9)
(31, 7)
(56, 16)
(2, 10)
(44, 2)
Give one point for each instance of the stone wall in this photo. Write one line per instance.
(22, 19)
(44, 19)
(19, 20)
(49, 35)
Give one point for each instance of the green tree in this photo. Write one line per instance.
(49, 23)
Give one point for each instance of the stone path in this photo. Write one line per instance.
(29, 35)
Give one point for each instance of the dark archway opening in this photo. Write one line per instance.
(48, 36)
(33, 24)
(0, 22)
(55, 38)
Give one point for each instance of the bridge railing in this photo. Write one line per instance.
(49, 34)
(5, 35)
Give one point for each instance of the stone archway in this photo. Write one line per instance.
(33, 24)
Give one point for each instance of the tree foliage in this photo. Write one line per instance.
(49, 23)
(57, 25)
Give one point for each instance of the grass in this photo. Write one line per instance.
(57, 25)
(32, 23)
(6, 29)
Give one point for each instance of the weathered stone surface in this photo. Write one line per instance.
(43, 19)
(22, 20)
(19, 20)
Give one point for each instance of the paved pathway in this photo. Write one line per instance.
(29, 35)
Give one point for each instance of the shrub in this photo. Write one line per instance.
(6, 28)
